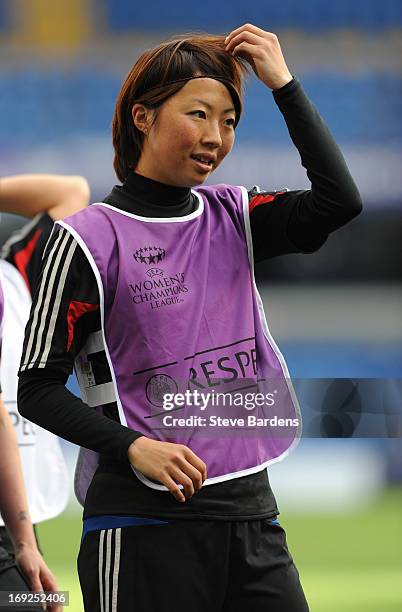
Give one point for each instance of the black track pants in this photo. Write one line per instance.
(214, 566)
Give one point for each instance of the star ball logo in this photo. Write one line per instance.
(149, 255)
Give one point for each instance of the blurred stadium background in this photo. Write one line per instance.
(336, 314)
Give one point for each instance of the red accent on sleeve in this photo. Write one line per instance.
(23, 257)
(75, 310)
(263, 199)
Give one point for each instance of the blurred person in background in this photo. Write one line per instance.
(215, 543)
(43, 198)
(25, 569)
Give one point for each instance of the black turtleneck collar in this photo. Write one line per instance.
(155, 192)
(146, 197)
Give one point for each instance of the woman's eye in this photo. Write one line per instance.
(199, 112)
(230, 122)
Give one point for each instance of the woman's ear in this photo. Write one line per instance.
(142, 117)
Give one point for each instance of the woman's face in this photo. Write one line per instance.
(197, 122)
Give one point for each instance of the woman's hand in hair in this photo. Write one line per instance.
(262, 51)
(171, 464)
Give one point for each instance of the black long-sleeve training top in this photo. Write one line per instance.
(281, 222)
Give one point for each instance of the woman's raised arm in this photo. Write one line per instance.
(31, 194)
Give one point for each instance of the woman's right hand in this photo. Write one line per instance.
(169, 463)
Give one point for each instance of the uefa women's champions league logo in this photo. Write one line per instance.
(163, 289)
(149, 255)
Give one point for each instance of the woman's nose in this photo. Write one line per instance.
(212, 134)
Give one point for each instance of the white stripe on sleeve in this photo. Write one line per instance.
(56, 304)
(53, 281)
(19, 235)
(51, 264)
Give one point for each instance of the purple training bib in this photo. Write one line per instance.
(190, 355)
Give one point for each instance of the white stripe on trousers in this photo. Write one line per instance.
(107, 567)
(112, 567)
(100, 570)
(116, 569)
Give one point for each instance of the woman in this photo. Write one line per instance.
(151, 289)
(14, 508)
(44, 198)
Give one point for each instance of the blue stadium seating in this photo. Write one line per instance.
(359, 110)
(313, 15)
(49, 107)
(4, 16)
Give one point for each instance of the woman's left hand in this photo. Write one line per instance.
(37, 573)
(262, 51)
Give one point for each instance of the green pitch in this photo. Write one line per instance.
(348, 563)
(351, 563)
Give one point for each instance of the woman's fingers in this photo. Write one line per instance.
(174, 489)
(248, 52)
(193, 473)
(244, 36)
(187, 470)
(198, 463)
(181, 478)
(262, 51)
(169, 463)
(246, 27)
